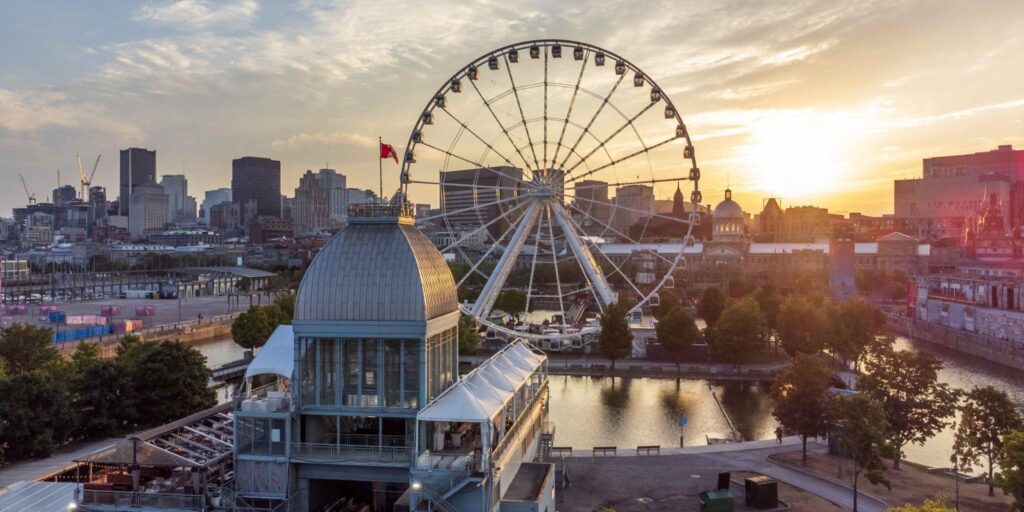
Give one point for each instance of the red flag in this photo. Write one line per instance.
(387, 150)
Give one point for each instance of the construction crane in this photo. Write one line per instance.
(31, 196)
(86, 181)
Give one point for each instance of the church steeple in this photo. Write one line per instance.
(678, 203)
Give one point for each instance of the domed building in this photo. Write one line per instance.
(728, 237)
(377, 407)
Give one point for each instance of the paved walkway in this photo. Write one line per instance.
(686, 471)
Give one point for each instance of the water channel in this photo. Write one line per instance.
(627, 412)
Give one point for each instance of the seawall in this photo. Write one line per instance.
(1004, 352)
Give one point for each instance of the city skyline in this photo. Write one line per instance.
(819, 104)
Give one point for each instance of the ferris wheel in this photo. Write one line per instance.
(523, 147)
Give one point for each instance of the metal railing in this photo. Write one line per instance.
(527, 417)
(331, 452)
(128, 500)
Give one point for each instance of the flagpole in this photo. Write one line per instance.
(380, 169)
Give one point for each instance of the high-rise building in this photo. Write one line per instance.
(213, 198)
(310, 207)
(258, 180)
(98, 201)
(951, 190)
(334, 185)
(359, 196)
(64, 194)
(179, 209)
(633, 202)
(476, 197)
(591, 199)
(147, 207)
(138, 165)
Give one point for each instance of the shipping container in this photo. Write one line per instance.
(110, 310)
(145, 310)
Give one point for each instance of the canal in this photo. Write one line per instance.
(628, 412)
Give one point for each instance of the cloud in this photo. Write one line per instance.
(324, 139)
(199, 13)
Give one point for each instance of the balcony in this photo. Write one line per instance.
(355, 449)
(137, 501)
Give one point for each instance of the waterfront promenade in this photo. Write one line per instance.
(596, 366)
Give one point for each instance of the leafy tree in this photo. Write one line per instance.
(168, 381)
(740, 333)
(711, 306)
(932, 505)
(27, 348)
(986, 417)
(512, 302)
(251, 328)
(469, 335)
(126, 344)
(768, 299)
(855, 325)
(802, 326)
(1011, 469)
(668, 303)
(103, 399)
(860, 425)
(85, 355)
(801, 398)
(615, 340)
(907, 386)
(676, 331)
(284, 309)
(37, 415)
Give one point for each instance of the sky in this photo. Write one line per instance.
(816, 102)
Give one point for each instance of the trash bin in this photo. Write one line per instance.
(716, 501)
(761, 492)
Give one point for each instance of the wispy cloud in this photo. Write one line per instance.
(199, 13)
(331, 139)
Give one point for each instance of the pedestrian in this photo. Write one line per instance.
(778, 434)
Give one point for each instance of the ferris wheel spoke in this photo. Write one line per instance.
(474, 134)
(515, 92)
(554, 261)
(483, 227)
(629, 122)
(623, 159)
(583, 256)
(572, 103)
(487, 254)
(499, 275)
(604, 102)
(620, 233)
(500, 124)
(533, 267)
(469, 209)
(469, 185)
(472, 162)
(617, 268)
(625, 183)
(634, 210)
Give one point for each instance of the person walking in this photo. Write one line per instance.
(778, 434)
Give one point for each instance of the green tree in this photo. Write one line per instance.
(740, 333)
(711, 306)
(770, 302)
(37, 415)
(512, 302)
(615, 340)
(855, 325)
(987, 415)
(168, 381)
(469, 335)
(251, 328)
(676, 331)
(932, 505)
(667, 303)
(802, 326)
(27, 348)
(85, 355)
(1011, 469)
(907, 386)
(103, 392)
(859, 423)
(801, 398)
(126, 343)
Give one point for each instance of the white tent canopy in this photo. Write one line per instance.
(277, 357)
(480, 395)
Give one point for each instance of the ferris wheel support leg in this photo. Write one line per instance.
(587, 261)
(492, 288)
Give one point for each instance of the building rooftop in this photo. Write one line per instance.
(528, 482)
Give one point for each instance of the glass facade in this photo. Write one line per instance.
(442, 362)
(359, 372)
(260, 435)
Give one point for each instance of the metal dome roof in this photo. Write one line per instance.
(728, 209)
(376, 272)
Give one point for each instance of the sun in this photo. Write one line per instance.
(796, 155)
